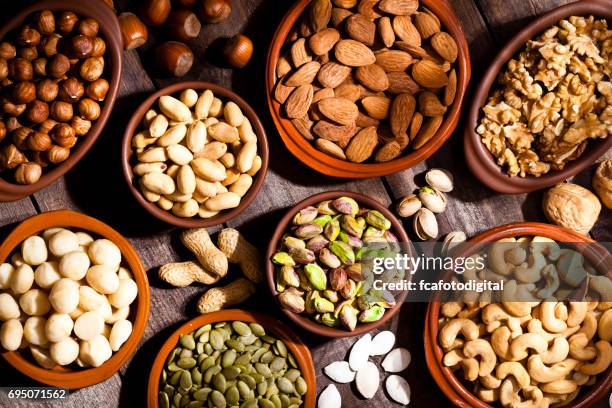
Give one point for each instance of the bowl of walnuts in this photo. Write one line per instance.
(60, 66)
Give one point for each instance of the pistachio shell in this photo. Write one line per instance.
(440, 179)
(425, 224)
(452, 239)
(433, 199)
(409, 206)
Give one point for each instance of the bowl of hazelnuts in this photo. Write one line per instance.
(60, 68)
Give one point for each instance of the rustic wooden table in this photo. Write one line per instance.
(96, 187)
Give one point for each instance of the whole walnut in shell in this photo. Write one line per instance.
(602, 182)
(571, 206)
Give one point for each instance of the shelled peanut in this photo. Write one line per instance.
(197, 156)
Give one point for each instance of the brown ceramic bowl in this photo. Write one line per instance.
(109, 26)
(135, 124)
(304, 321)
(294, 344)
(323, 163)
(454, 388)
(68, 377)
(479, 159)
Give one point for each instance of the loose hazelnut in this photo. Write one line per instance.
(12, 124)
(40, 66)
(80, 46)
(28, 37)
(215, 11)
(81, 126)
(45, 22)
(58, 65)
(89, 109)
(71, 90)
(4, 71)
(174, 58)
(11, 157)
(28, 173)
(185, 3)
(57, 154)
(133, 32)
(48, 45)
(99, 47)
(29, 53)
(97, 90)
(39, 158)
(88, 26)
(37, 111)
(238, 51)
(61, 111)
(2, 130)
(92, 68)
(20, 136)
(46, 90)
(183, 25)
(12, 109)
(64, 135)
(7, 50)
(24, 92)
(21, 69)
(47, 126)
(66, 22)
(155, 12)
(39, 142)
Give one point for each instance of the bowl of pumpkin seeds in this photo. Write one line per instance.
(232, 358)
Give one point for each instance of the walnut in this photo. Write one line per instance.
(571, 206)
(544, 111)
(602, 182)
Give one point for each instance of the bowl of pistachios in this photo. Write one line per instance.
(320, 258)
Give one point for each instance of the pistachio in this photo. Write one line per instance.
(325, 207)
(322, 220)
(332, 229)
(408, 206)
(316, 276)
(302, 255)
(329, 319)
(433, 199)
(331, 295)
(346, 205)
(292, 301)
(337, 278)
(373, 234)
(354, 271)
(350, 240)
(323, 305)
(390, 237)
(328, 258)
(315, 244)
(440, 179)
(293, 243)
(378, 220)
(308, 231)
(351, 226)
(349, 290)
(310, 298)
(304, 282)
(372, 314)
(343, 251)
(283, 258)
(451, 240)
(289, 276)
(348, 317)
(425, 224)
(305, 216)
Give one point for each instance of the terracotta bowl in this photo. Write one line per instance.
(67, 377)
(451, 385)
(479, 159)
(109, 26)
(127, 152)
(294, 344)
(304, 321)
(323, 163)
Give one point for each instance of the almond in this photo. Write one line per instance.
(428, 131)
(402, 140)
(361, 29)
(304, 74)
(362, 145)
(394, 60)
(320, 14)
(415, 125)
(283, 66)
(304, 126)
(388, 152)
(445, 46)
(323, 41)
(406, 31)
(368, 9)
(451, 89)
(385, 30)
(299, 101)
(376, 106)
(353, 53)
(282, 92)
(324, 58)
(365, 121)
(348, 91)
(426, 24)
(400, 82)
(415, 51)
(330, 148)
(299, 54)
(428, 74)
(339, 110)
(373, 77)
(333, 132)
(339, 15)
(333, 74)
(347, 4)
(322, 94)
(402, 109)
(430, 105)
(305, 28)
(399, 7)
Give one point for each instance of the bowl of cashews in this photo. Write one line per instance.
(541, 341)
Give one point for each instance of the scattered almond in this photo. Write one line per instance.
(333, 132)
(427, 131)
(385, 30)
(394, 60)
(320, 14)
(299, 54)
(304, 126)
(388, 152)
(402, 111)
(426, 24)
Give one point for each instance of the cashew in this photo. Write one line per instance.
(519, 346)
(508, 393)
(544, 374)
(515, 369)
(491, 382)
(549, 273)
(580, 379)
(451, 309)
(601, 362)
(578, 348)
(517, 299)
(494, 314)
(470, 368)
(516, 256)
(604, 329)
(589, 325)
(532, 272)
(536, 399)
(482, 348)
(452, 358)
(577, 313)
(570, 266)
(557, 352)
(547, 316)
(487, 395)
(561, 311)
(546, 246)
(602, 285)
(500, 342)
(561, 386)
(497, 259)
(449, 332)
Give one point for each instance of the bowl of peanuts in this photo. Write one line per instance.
(522, 346)
(194, 154)
(74, 299)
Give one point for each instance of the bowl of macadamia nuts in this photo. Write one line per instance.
(544, 339)
(60, 66)
(194, 154)
(74, 299)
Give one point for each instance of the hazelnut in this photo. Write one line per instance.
(39, 158)
(64, 135)
(89, 109)
(80, 46)
(155, 12)
(133, 32)
(12, 109)
(71, 90)
(215, 11)
(23, 92)
(12, 124)
(57, 154)
(6, 82)
(28, 173)
(45, 22)
(21, 69)
(48, 45)
(88, 26)
(81, 126)
(238, 51)
(183, 25)
(99, 47)
(11, 157)
(37, 112)
(4, 71)
(61, 111)
(174, 58)
(28, 37)
(40, 67)
(29, 53)
(98, 89)
(66, 22)
(7, 50)
(38, 141)
(2, 131)
(20, 136)
(185, 3)
(47, 125)
(46, 90)
(58, 65)
(92, 68)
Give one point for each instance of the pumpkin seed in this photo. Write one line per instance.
(208, 349)
(300, 386)
(202, 394)
(216, 339)
(250, 403)
(186, 381)
(262, 387)
(284, 400)
(186, 362)
(232, 396)
(265, 403)
(175, 378)
(284, 385)
(186, 353)
(277, 364)
(218, 399)
(176, 401)
(257, 329)
(208, 375)
(228, 359)
(187, 341)
(207, 363)
(196, 376)
(231, 373)
(195, 404)
(241, 328)
(292, 374)
(268, 339)
(263, 369)
(276, 401)
(164, 400)
(172, 355)
(267, 358)
(219, 382)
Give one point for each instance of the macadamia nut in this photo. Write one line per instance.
(76, 313)
(17, 260)
(96, 351)
(58, 327)
(22, 279)
(63, 242)
(105, 252)
(9, 309)
(124, 273)
(89, 299)
(118, 314)
(88, 325)
(84, 239)
(64, 351)
(6, 271)
(119, 334)
(46, 274)
(42, 357)
(64, 295)
(34, 250)
(34, 302)
(49, 232)
(34, 331)
(11, 334)
(74, 265)
(125, 294)
(103, 278)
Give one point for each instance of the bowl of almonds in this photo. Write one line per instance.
(366, 88)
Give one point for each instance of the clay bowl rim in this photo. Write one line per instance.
(303, 321)
(479, 159)
(109, 26)
(452, 387)
(276, 327)
(304, 151)
(80, 378)
(194, 222)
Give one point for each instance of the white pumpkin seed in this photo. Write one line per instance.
(398, 389)
(340, 372)
(397, 360)
(360, 352)
(367, 380)
(382, 343)
(330, 398)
